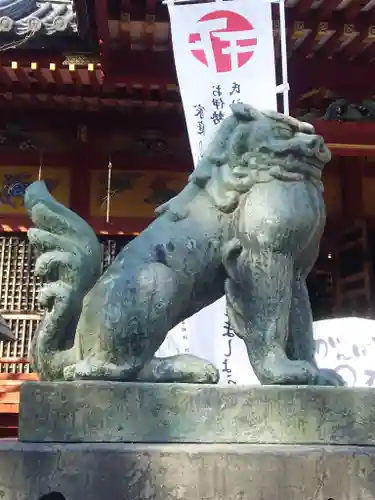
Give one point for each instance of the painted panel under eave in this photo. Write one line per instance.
(133, 194)
(14, 180)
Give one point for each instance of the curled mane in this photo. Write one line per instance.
(234, 162)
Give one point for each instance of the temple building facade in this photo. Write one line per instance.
(90, 104)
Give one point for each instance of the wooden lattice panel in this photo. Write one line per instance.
(19, 289)
(14, 354)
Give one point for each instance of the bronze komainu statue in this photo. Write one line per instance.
(247, 224)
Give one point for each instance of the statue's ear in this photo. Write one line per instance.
(245, 112)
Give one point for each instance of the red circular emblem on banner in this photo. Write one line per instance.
(224, 41)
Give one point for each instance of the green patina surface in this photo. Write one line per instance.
(248, 224)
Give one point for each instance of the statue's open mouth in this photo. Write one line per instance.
(312, 162)
(320, 150)
(319, 155)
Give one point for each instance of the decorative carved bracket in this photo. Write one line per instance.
(29, 18)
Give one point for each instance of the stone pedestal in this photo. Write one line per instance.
(187, 413)
(115, 441)
(185, 472)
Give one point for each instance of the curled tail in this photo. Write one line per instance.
(69, 263)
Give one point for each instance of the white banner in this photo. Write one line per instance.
(212, 338)
(224, 53)
(176, 342)
(346, 345)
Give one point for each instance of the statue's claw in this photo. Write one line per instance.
(69, 372)
(182, 368)
(284, 371)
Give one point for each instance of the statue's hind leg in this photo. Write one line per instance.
(125, 341)
(261, 316)
(182, 368)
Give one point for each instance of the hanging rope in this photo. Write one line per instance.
(40, 166)
(109, 179)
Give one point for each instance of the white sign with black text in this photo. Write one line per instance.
(346, 345)
(224, 53)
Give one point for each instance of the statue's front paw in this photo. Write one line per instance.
(182, 368)
(276, 369)
(329, 377)
(83, 370)
(69, 373)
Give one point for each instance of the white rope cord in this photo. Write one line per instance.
(109, 181)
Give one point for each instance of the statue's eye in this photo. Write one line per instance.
(283, 132)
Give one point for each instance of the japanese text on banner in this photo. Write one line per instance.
(209, 117)
(226, 369)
